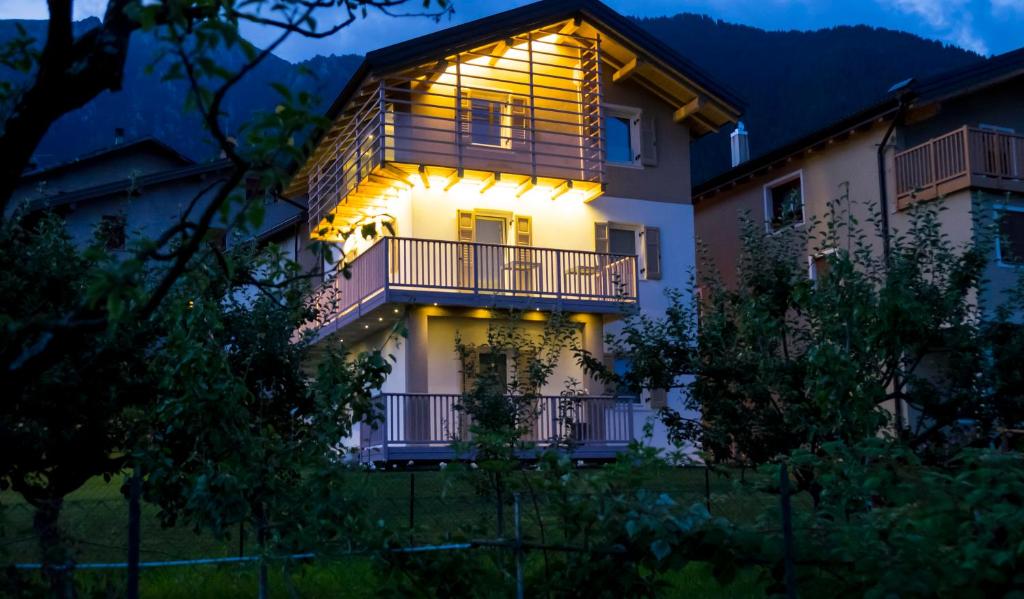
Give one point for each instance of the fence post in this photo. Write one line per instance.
(518, 549)
(787, 532)
(412, 500)
(134, 533)
(707, 488)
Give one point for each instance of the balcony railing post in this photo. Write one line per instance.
(533, 111)
(558, 274)
(458, 112)
(476, 269)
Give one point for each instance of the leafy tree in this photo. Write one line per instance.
(79, 327)
(782, 362)
(243, 433)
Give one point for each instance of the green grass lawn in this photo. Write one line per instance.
(94, 521)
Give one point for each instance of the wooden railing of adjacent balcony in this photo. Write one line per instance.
(478, 274)
(422, 425)
(527, 108)
(965, 157)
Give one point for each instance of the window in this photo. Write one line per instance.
(112, 231)
(621, 240)
(818, 265)
(784, 202)
(622, 135)
(1010, 243)
(489, 124)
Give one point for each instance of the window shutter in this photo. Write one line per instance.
(520, 117)
(601, 237)
(648, 141)
(524, 257)
(465, 252)
(466, 117)
(659, 398)
(652, 253)
(610, 387)
(470, 368)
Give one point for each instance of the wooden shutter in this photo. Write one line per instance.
(524, 266)
(648, 141)
(659, 398)
(466, 118)
(611, 388)
(464, 253)
(652, 253)
(520, 118)
(601, 237)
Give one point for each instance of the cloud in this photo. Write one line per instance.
(1003, 6)
(937, 13)
(36, 9)
(951, 20)
(963, 35)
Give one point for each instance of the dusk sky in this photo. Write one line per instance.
(985, 26)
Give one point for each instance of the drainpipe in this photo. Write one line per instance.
(883, 196)
(883, 202)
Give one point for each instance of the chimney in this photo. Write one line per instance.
(118, 136)
(740, 145)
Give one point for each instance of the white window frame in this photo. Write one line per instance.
(767, 196)
(634, 116)
(505, 130)
(999, 242)
(635, 229)
(812, 268)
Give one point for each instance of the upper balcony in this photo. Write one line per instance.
(523, 113)
(964, 158)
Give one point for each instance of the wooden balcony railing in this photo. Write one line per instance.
(528, 106)
(965, 157)
(409, 270)
(421, 425)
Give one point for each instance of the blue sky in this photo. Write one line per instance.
(985, 26)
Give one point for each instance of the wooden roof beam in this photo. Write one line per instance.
(570, 27)
(435, 72)
(628, 70)
(498, 51)
(689, 109)
(489, 182)
(562, 188)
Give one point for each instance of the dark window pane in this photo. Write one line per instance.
(618, 139)
(787, 204)
(494, 371)
(622, 241)
(486, 122)
(112, 231)
(1011, 237)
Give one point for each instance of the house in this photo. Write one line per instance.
(536, 160)
(139, 188)
(955, 136)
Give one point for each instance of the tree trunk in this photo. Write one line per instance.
(52, 553)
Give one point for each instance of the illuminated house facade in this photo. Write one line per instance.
(537, 160)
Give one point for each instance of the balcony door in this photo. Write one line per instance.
(490, 230)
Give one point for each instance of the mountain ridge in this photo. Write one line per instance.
(793, 82)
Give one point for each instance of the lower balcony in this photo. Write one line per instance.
(964, 158)
(398, 270)
(427, 427)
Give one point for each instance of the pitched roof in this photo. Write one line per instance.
(939, 87)
(499, 26)
(150, 144)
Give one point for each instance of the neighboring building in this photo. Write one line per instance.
(140, 188)
(537, 160)
(956, 136)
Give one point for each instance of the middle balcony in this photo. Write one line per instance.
(398, 270)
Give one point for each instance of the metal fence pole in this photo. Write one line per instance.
(134, 534)
(707, 487)
(412, 500)
(518, 549)
(787, 532)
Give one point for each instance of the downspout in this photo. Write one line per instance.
(883, 195)
(883, 203)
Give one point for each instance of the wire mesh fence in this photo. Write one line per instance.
(428, 509)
